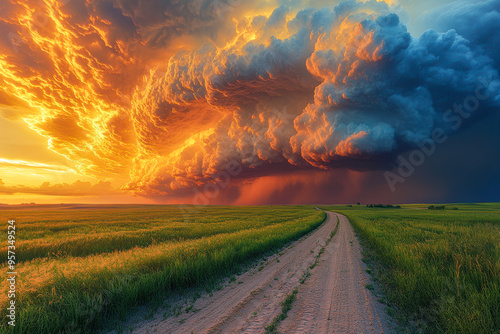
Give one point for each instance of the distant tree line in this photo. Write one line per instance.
(436, 207)
(439, 207)
(386, 206)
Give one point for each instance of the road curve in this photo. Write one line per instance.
(333, 299)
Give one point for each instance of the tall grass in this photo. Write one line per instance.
(441, 268)
(81, 293)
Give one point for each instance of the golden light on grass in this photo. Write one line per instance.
(100, 258)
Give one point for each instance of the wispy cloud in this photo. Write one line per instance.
(77, 188)
(35, 165)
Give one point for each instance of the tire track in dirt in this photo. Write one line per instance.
(333, 299)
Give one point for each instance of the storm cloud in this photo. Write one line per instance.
(163, 96)
(362, 89)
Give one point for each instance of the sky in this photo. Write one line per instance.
(249, 102)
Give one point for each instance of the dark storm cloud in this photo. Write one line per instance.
(478, 22)
(376, 91)
(161, 22)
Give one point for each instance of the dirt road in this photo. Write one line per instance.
(332, 299)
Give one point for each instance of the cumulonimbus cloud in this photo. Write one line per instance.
(346, 85)
(294, 87)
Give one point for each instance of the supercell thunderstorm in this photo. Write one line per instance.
(165, 99)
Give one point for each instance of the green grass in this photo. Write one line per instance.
(286, 306)
(82, 232)
(441, 268)
(81, 269)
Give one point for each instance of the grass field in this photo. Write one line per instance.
(80, 267)
(439, 268)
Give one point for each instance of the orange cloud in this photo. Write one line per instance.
(162, 96)
(35, 165)
(77, 188)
